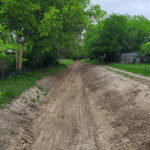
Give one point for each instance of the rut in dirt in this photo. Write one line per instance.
(71, 126)
(94, 109)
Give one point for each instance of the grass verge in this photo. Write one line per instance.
(142, 69)
(121, 73)
(66, 61)
(12, 88)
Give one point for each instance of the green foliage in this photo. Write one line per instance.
(116, 34)
(40, 88)
(145, 48)
(1, 93)
(46, 29)
(95, 13)
(138, 32)
(91, 43)
(11, 46)
(5, 61)
(51, 22)
(33, 100)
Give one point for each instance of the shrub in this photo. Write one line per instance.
(145, 48)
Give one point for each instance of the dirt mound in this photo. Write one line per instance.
(127, 105)
(15, 119)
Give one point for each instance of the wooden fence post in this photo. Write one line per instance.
(19, 55)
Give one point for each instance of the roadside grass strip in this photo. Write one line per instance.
(141, 69)
(12, 88)
(121, 73)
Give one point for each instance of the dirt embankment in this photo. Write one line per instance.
(125, 105)
(91, 108)
(16, 119)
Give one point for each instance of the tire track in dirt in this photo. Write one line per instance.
(71, 126)
(94, 109)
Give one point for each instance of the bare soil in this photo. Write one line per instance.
(143, 79)
(16, 118)
(90, 108)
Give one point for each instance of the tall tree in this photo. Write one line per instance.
(46, 27)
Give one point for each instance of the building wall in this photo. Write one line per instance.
(131, 58)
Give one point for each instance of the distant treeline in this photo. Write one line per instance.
(111, 35)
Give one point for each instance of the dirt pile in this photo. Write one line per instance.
(126, 104)
(16, 118)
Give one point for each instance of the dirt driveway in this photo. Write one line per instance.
(93, 109)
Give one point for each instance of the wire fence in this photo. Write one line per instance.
(11, 74)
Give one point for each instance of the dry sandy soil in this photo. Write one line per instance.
(91, 108)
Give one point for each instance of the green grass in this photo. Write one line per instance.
(94, 61)
(121, 73)
(12, 88)
(66, 61)
(134, 68)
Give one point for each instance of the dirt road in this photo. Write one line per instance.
(94, 109)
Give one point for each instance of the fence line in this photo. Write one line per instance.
(11, 74)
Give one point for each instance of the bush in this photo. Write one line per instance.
(5, 61)
(145, 48)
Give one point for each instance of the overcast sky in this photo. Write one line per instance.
(131, 7)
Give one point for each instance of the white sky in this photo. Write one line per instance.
(131, 7)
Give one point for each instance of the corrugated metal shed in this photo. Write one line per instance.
(131, 58)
